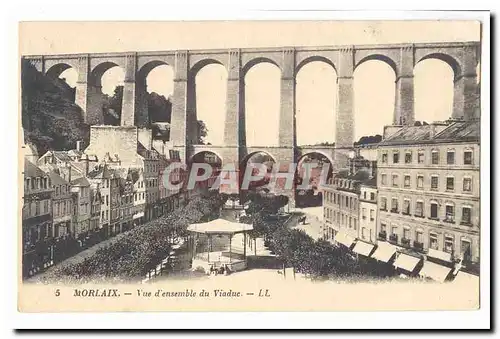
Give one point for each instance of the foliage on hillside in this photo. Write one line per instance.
(50, 118)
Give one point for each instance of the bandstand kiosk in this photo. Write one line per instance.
(219, 243)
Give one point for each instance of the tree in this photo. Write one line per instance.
(112, 107)
(159, 108)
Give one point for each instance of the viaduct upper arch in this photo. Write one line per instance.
(463, 57)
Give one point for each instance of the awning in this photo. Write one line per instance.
(363, 248)
(434, 271)
(344, 239)
(466, 279)
(406, 262)
(384, 251)
(439, 255)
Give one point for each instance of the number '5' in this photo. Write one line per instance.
(58, 292)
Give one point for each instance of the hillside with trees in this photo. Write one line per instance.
(50, 118)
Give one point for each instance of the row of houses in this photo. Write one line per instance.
(420, 199)
(74, 199)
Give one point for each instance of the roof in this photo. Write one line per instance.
(32, 170)
(101, 172)
(461, 130)
(142, 150)
(427, 134)
(370, 182)
(82, 181)
(57, 179)
(62, 156)
(220, 226)
(79, 166)
(134, 174)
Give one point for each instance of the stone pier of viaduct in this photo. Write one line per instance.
(463, 57)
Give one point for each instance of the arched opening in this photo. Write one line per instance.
(262, 104)
(155, 98)
(215, 163)
(211, 86)
(433, 83)
(374, 99)
(106, 94)
(251, 161)
(316, 96)
(310, 169)
(64, 77)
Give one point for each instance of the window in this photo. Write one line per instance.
(434, 210)
(363, 213)
(350, 222)
(406, 207)
(372, 196)
(362, 233)
(372, 215)
(107, 200)
(465, 249)
(420, 156)
(57, 190)
(406, 233)
(384, 158)
(395, 157)
(466, 215)
(448, 244)
(407, 181)
(384, 179)
(383, 204)
(450, 213)
(394, 205)
(435, 157)
(37, 208)
(468, 158)
(408, 157)
(450, 157)
(433, 241)
(394, 180)
(350, 202)
(450, 183)
(467, 185)
(394, 230)
(383, 227)
(419, 236)
(420, 181)
(434, 182)
(419, 209)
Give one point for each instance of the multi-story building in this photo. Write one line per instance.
(127, 198)
(101, 177)
(62, 205)
(115, 198)
(95, 210)
(368, 211)
(80, 189)
(150, 159)
(139, 193)
(428, 186)
(37, 220)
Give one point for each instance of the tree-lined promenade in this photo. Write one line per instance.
(131, 256)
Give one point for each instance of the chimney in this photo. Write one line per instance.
(79, 145)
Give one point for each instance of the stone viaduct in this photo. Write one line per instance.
(463, 58)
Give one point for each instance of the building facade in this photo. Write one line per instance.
(428, 186)
(368, 211)
(37, 222)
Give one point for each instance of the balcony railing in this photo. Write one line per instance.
(393, 238)
(394, 210)
(382, 235)
(405, 241)
(418, 245)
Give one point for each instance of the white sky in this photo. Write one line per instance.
(316, 88)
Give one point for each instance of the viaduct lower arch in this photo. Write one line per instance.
(463, 58)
